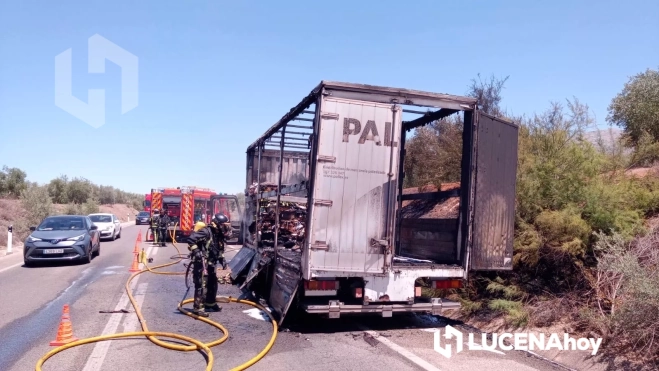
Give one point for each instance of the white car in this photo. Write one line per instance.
(108, 224)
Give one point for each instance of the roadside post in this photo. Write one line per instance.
(10, 231)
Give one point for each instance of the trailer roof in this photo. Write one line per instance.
(384, 94)
(372, 93)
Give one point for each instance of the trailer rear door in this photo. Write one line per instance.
(494, 194)
(354, 186)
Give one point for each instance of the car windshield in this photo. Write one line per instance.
(101, 218)
(143, 214)
(62, 224)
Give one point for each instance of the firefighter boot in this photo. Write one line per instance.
(200, 312)
(212, 307)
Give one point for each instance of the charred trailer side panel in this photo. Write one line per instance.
(295, 167)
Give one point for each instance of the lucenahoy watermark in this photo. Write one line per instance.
(520, 341)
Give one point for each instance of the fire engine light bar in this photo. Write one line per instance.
(447, 284)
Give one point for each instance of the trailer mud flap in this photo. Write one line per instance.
(286, 280)
(241, 260)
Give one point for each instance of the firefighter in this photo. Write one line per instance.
(163, 223)
(154, 222)
(206, 245)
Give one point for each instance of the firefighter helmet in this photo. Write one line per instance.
(220, 218)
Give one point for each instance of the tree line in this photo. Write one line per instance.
(81, 197)
(583, 248)
(62, 190)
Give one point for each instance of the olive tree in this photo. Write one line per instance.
(636, 108)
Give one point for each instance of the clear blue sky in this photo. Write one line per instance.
(214, 75)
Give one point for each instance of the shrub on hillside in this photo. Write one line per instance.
(626, 287)
(90, 207)
(72, 209)
(36, 202)
(57, 188)
(136, 204)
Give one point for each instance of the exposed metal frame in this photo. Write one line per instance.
(447, 104)
(279, 138)
(258, 201)
(371, 93)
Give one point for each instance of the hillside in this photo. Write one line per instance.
(24, 203)
(12, 212)
(609, 136)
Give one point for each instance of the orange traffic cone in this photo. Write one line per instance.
(65, 330)
(136, 264)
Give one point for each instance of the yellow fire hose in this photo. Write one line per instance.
(152, 335)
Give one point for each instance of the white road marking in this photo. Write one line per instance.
(95, 360)
(100, 351)
(10, 267)
(429, 329)
(402, 351)
(131, 322)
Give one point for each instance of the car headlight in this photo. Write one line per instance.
(76, 238)
(33, 239)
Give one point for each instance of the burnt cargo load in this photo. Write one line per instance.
(329, 226)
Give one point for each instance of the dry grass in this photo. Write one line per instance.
(10, 211)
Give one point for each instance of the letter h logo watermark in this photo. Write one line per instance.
(93, 112)
(450, 332)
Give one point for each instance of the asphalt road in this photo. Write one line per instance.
(31, 301)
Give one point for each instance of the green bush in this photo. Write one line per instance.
(516, 314)
(90, 207)
(73, 209)
(37, 205)
(563, 232)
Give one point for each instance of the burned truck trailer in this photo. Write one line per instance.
(327, 224)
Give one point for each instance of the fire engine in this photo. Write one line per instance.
(147, 202)
(188, 204)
